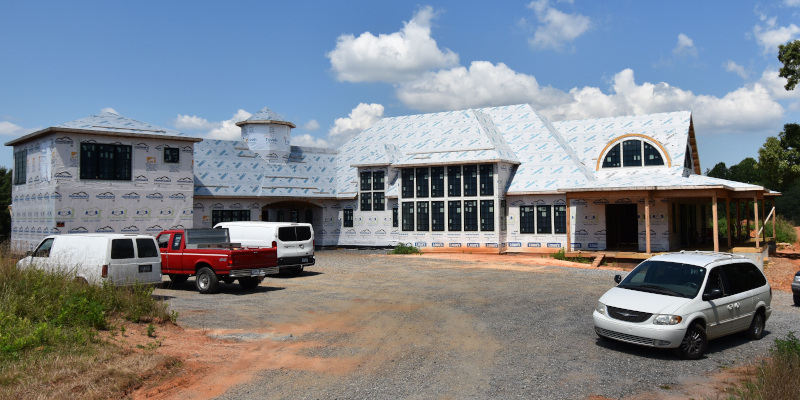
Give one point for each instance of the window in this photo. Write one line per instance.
(437, 216)
(366, 180)
(394, 217)
(105, 161)
(560, 219)
(20, 167)
(407, 177)
(487, 183)
(454, 181)
(470, 180)
(543, 219)
(309, 216)
(632, 153)
(422, 216)
(378, 201)
(172, 155)
(453, 215)
(163, 241)
(218, 216)
(146, 248)
(437, 181)
(422, 182)
(408, 216)
(651, 155)
(743, 277)
(366, 201)
(527, 216)
(44, 248)
(471, 215)
(612, 158)
(377, 180)
(121, 249)
(347, 218)
(176, 242)
(487, 215)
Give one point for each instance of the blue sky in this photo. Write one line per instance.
(334, 68)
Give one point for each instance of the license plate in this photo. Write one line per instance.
(255, 272)
(146, 268)
(304, 260)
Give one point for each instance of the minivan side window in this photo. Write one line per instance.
(146, 248)
(743, 277)
(44, 249)
(715, 281)
(121, 249)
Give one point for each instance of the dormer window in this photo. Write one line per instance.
(632, 153)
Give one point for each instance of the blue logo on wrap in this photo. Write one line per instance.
(155, 196)
(106, 196)
(79, 229)
(79, 196)
(131, 196)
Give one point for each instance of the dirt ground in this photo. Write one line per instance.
(210, 366)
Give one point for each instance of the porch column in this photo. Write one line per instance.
(569, 224)
(755, 219)
(738, 220)
(715, 221)
(764, 219)
(728, 219)
(647, 222)
(774, 217)
(746, 220)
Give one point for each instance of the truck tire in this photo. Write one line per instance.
(249, 283)
(206, 281)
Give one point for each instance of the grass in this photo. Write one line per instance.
(403, 248)
(54, 334)
(776, 378)
(561, 255)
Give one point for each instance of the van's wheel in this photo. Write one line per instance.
(694, 343)
(178, 278)
(297, 271)
(756, 329)
(206, 281)
(248, 283)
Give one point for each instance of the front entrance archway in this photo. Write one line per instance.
(622, 224)
(291, 211)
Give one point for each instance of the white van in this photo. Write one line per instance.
(294, 241)
(122, 259)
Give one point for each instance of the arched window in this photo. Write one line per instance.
(633, 153)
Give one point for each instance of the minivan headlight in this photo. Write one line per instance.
(601, 308)
(667, 319)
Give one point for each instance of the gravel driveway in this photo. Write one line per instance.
(363, 325)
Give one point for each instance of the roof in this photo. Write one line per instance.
(265, 116)
(109, 124)
(656, 180)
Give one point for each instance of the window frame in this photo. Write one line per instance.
(527, 219)
(95, 166)
(176, 155)
(487, 215)
(437, 181)
(407, 183)
(437, 212)
(218, 216)
(20, 167)
(544, 224)
(471, 217)
(454, 177)
(407, 216)
(471, 181)
(454, 213)
(422, 178)
(423, 216)
(347, 218)
(486, 179)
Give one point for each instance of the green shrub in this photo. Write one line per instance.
(786, 232)
(561, 255)
(405, 248)
(777, 377)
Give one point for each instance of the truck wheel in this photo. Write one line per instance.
(206, 281)
(178, 278)
(248, 283)
(297, 271)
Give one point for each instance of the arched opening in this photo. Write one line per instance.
(292, 211)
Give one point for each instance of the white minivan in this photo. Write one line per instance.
(294, 241)
(680, 300)
(122, 259)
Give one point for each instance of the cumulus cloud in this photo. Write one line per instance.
(109, 110)
(685, 47)
(227, 130)
(393, 57)
(737, 69)
(769, 35)
(309, 141)
(311, 125)
(359, 119)
(192, 122)
(556, 28)
(9, 129)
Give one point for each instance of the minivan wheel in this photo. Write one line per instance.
(248, 283)
(694, 343)
(206, 281)
(756, 329)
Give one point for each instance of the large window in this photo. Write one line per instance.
(612, 158)
(423, 180)
(366, 180)
(394, 217)
(407, 183)
(543, 220)
(487, 215)
(471, 215)
(527, 218)
(487, 183)
(560, 219)
(408, 216)
(378, 201)
(470, 180)
(422, 216)
(366, 201)
(454, 181)
(437, 182)
(20, 167)
(633, 153)
(652, 155)
(453, 215)
(218, 216)
(437, 215)
(105, 161)
(347, 218)
(172, 155)
(372, 186)
(377, 180)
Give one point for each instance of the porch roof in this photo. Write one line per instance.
(661, 181)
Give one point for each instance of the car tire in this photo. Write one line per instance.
(694, 343)
(797, 299)
(206, 281)
(756, 329)
(178, 278)
(248, 283)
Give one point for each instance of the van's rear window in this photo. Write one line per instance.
(303, 233)
(294, 233)
(146, 248)
(121, 248)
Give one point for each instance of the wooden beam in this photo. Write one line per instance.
(715, 221)
(647, 223)
(569, 224)
(755, 219)
(728, 219)
(774, 217)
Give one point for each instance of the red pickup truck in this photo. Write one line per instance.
(209, 255)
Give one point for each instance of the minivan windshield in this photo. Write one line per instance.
(665, 277)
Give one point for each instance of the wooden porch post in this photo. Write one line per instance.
(715, 220)
(728, 218)
(746, 219)
(764, 219)
(647, 222)
(755, 219)
(569, 224)
(774, 217)
(738, 220)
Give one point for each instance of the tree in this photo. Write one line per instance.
(719, 171)
(746, 171)
(789, 55)
(779, 158)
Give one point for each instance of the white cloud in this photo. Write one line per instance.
(737, 69)
(109, 110)
(359, 119)
(310, 125)
(394, 57)
(770, 35)
(556, 27)
(792, 3)
(191, 122)
(775, 84)
(9, 129)
(309, 141)
(685, 46)
(227, 130)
